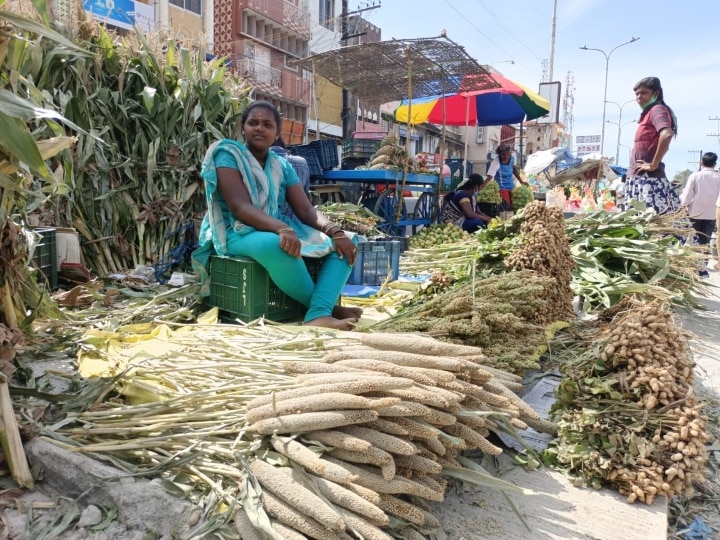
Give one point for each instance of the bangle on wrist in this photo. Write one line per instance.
(285, 229)
(338, 236)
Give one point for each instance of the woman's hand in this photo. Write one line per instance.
(289, 242)
(641, 166)
(345, 248)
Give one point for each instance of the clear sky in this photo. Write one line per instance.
(679, 43)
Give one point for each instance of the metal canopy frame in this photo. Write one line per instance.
(387, 71)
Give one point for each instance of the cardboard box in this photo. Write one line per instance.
(68, 247)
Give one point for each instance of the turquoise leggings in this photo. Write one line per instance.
(291, 275)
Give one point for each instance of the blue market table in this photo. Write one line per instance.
(383, 199)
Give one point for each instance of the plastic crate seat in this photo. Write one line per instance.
(242, 289)
(375, 261)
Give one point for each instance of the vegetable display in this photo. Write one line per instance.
(627, 413)
(490, 193)
(545, 248)
(437, 234)
(521, 196)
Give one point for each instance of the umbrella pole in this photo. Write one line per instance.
(399, 193)
(467, 135)
(443, 148)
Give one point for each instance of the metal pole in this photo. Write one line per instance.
(552, 42)
(345, 113)
(607, 66)
(602, 134)
(619, 125)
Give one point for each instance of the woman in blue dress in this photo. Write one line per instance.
(246, 187)
(504, 171)
(460, 206)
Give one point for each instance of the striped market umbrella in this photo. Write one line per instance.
(510, 103)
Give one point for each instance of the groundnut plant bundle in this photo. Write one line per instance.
(374, 429)
(545, 249)
(627, 414)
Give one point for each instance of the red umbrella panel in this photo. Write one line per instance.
(509, 104)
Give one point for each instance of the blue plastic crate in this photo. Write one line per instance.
(456, 164)
(375, 262)
(327, 153)
(308, 152)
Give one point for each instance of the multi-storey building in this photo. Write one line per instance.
(262, 38)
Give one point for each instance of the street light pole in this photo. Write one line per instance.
(607, 65)
(619, 125)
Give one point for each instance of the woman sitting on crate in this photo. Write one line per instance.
(246, 187)
(460, 206)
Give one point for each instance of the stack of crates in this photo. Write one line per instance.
(242, 289)
(376, 260)
(359, 148)
(308, 152)
(326, 151)
(44, 257)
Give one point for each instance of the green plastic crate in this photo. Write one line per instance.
(44, 257)
(359, 148)
(242, 289)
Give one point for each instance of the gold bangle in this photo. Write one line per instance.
(339, 236)
(285, 229)
(327, 227)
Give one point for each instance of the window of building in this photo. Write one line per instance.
(327, 14)
(191, 5)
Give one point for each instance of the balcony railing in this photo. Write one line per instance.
(284, 13)
(270, 77)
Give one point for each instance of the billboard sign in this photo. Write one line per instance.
(551, 92)
(122, 13)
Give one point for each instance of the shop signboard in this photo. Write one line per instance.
(587, 144)
(122, 13)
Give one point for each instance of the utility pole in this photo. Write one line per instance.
(345, 114)
(552, 42)
(344, 37)
(717, 133)
(696, 162)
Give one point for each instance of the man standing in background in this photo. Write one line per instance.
(699, 197)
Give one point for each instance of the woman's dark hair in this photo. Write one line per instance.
(265, 105)
(474, 180)
(653, 83)
(504, 147)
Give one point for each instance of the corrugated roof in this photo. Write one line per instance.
(400, 69)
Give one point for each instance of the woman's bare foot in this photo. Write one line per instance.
(332, 322)
(346, 312)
